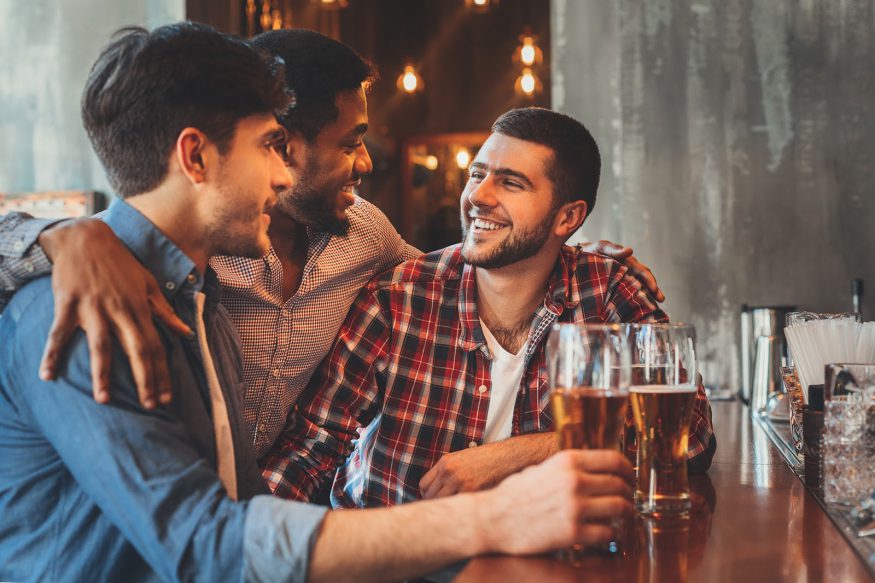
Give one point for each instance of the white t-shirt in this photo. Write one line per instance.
(507, 374)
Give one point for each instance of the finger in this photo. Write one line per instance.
(604, 461)
(433, 489)
(63, 326)
(605, 485)
(613, 250)
(593, 534)
(604, 508)
(156, 357)
(428, 479)
(643, 274)
(162, 309)
(142, 369)
(449, 488)
(100, 354)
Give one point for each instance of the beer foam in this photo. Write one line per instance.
(664, 389)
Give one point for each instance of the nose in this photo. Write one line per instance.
(363, 165)
(281, 178)
(481, 194)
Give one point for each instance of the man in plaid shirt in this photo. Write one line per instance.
(437, 382)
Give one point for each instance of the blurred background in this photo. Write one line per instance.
(736, 135)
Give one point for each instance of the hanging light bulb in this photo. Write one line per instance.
(528, 53)
(480, 5)
(409, 81)
(528, 83)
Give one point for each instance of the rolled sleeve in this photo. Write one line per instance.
(21, 260)
(278, 538)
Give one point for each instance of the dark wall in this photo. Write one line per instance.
(463, 57)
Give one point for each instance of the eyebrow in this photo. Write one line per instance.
(357, 131)
(275, 135)
(503, 171)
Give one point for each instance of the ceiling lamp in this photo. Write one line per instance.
(528, 53)
(528, 83)
(409, 81)
(480, 5)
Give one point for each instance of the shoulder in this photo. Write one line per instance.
(439, 266)
(366, 220)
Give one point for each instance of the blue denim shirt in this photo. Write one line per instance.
(115, 492)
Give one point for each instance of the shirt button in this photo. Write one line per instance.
(28, 266)
(191, 278)
(482, 389)
(262, 426)
(170, 285)
(18, 245)
(275, 372)
(472, 444)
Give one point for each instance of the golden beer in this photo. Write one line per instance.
(589, 418)
(662, 416)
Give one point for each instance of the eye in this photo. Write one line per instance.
(476, 175)
(281, 147)
(513, 185)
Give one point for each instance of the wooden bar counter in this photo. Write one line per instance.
(752, 520)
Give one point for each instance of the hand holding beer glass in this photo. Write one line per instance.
(663, 394)
(589, 373)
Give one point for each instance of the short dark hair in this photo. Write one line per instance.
(317, 69)
(146, 87)
(576, 163)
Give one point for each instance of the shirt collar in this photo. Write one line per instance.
(561, 295)
(172, 268)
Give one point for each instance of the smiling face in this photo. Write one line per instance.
(507, 206)
(330, 168)
(250, 175)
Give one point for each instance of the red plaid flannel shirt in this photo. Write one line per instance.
(408, 378)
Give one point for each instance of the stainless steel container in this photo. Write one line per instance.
(759, 321)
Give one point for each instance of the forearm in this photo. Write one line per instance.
(398, 543)
(519, 452)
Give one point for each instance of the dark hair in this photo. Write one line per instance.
(317, 69)
(576, 163)
(146, 87)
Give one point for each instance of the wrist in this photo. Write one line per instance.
(486, 514)
(56, 237)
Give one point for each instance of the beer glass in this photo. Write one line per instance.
(662, 393)
(589, 373)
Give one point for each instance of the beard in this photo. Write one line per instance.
(515, 247)
(313, 203)
(233, 229)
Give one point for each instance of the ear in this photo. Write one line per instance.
(569, 218)
(193, 153)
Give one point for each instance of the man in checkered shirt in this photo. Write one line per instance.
(326, 243)
(437, 382)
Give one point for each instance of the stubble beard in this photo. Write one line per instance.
(513, 248)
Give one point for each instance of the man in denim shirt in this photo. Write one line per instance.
(183, 120)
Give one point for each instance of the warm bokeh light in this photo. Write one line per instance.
(410, 81)
(431, 162)
(528, 53)
(463, 158)
(528, 83)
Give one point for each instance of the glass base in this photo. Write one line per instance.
(663, 506)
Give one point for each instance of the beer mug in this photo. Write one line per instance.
(662, 393)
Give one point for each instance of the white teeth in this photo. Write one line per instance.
(488, 225)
